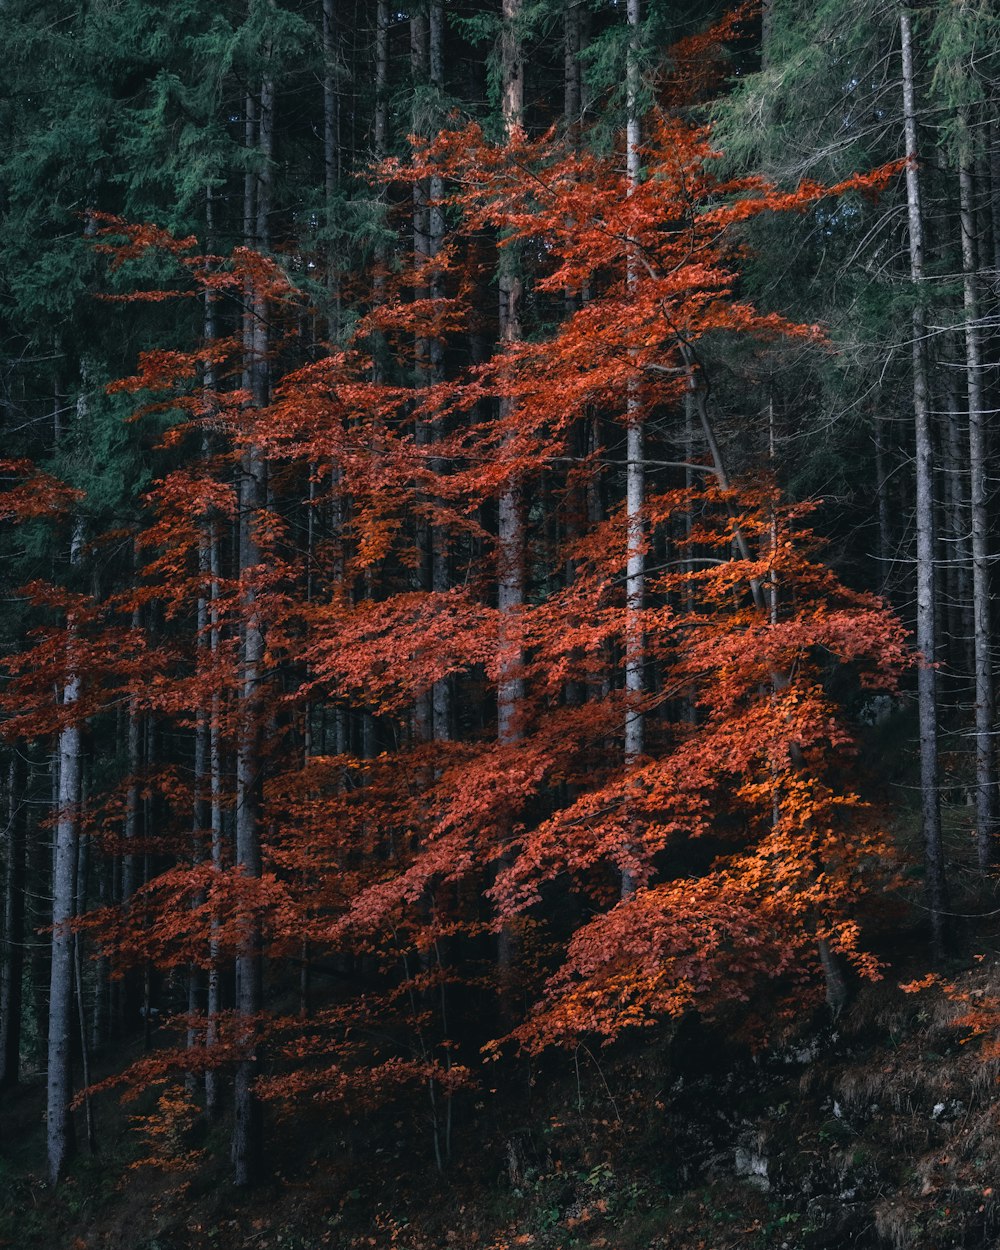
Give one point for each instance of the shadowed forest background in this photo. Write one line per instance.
(498, 722)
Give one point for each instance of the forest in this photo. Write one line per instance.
(498, 668)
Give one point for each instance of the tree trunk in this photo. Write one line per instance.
(213, 1003)
(40, 861)
(134, 743)
(247, 1118)
(380, 135)
(510, 538)
(885, 556)
(925, 571)
(101, 1014)
(955, 528)
(510, 521)
(13, 928)
(635, 469)
(82, 876)
(986, 773)
(440, 565)
(572, 81)
(766, 32)
(381, 127)
(201, 811)
(422, 573)
(331, 152)
(60, 1137)
(994, 178)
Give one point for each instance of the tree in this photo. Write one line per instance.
(927, 639)
(427, 668)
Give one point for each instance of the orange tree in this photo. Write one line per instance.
(395, 857)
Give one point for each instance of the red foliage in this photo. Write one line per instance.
(741, 824)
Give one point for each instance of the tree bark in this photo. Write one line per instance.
(635, 469)
(60, 1138)
(766, 32)
(882, 492)
(510, 520)
(510, 538)
(80, 907)
(510, 693)
(380, 134)
(201, 810)
(422, 574)
(986, 772)
(13, 928)
(247, 1114)
(927, 701)
(572, 80)
(213, 1003)
(134, 749)
(994, 183)
(440, 565)
(331, 152)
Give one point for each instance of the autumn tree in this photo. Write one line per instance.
(446, 625)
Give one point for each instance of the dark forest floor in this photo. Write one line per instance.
(879, 1130)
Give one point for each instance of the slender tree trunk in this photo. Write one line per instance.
(380, 142)
(134, 749)
(213, 1003)
(837, 992)
(82, 876)
(440, 568)
(331, 151)
(88, 1102)
(766, 32)
(635, 469)
(925, 571)
(368, 737)
(308, 745)
(61, 1143)
(331, 110)
(201, 811)
(381, 128)
(986, 772)
(994, 184)
(440, 565)
(510, 543)
(247, 1119)
(510, 528)
(13, 928)
(40, 862)
(130, 997)
(884, 513)
(957, 529)
(422, 574)
(419, 74)
(148, 824)
(101, 1014)
(572, 82)
(576, 690)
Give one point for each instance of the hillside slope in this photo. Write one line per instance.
(883, 1131)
